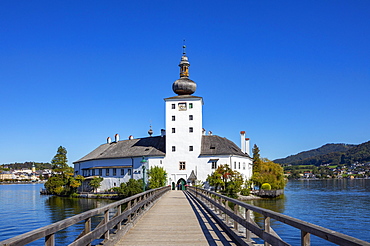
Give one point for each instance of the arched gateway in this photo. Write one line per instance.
(181, 184)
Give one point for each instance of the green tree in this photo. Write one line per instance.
(256, 159)
(96, 182)
(132, 187)
(229, 181)
(157, 177)
(62, 181)
(271, 173)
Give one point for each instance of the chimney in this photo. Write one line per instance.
(109, 140)
(247, 147)
(163, 133)
(116, 138)
(210, 133)
(242, 141)
(130, 137)
(203, 131)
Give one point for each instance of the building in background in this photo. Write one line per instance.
(183, 149)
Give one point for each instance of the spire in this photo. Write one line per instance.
(184, 63)
(184, 85)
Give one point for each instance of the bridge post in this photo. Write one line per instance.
(248, 218)
(267, 228)
(50, 240)
(87, 227)
(305, 238)
(236, 211)
(106, 219)
(119, 211)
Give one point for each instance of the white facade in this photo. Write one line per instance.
(185, 152)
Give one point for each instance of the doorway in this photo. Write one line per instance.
(181, 184)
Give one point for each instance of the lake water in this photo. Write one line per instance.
(340, 205)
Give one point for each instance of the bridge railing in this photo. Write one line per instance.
(218, 206)
(126, 210)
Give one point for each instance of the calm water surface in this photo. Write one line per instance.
(340, 205)
(23, 209)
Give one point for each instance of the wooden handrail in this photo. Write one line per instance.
(88, 235)
(219, 202)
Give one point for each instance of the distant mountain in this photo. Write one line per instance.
(324, 154)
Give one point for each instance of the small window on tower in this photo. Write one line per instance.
(173, 148)
(190, 129)
(191, 148)
(190, 105)
(182, 165)
(190, 117)
(173, 130)
(173, 106)
(173, 118)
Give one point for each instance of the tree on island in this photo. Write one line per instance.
(266, 171)
(62, 181)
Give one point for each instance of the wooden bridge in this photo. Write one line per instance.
(192, 217)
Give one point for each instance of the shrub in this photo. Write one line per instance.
(265, 186)
(245, 192)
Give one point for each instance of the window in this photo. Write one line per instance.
(182, 165)
(190, 105)
(173, 148)
(190, 148)
(234, 164)
(191, 117)
(243, 165)
(239, 165)
(173, 118)
(100, 172)
(173, 130)
(107, 172)
(93, 172)
(122, 172)
(214, 164)
(129, 171)
(190, 129)
(114, 171)
(173, 106)
(160, 162)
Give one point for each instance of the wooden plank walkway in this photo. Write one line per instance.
(175, 220)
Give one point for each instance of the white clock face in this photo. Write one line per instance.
(182, 106)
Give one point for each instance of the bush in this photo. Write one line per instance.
(265, 186)
(245, 192)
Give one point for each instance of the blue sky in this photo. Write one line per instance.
(293, 74)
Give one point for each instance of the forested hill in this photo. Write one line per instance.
(26, 165)
(328, 153)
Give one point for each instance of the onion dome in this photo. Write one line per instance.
(150, 132)
(184, 85)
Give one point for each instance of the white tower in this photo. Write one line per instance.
(183, 127)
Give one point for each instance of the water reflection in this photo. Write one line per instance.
(63, 207)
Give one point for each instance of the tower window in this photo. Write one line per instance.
(191, 148)
(190, 117)
(173, 106)
(173, 118)
(190, 129)
(173, 130)
(182, 165)
(190, 105)
(173, 148)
